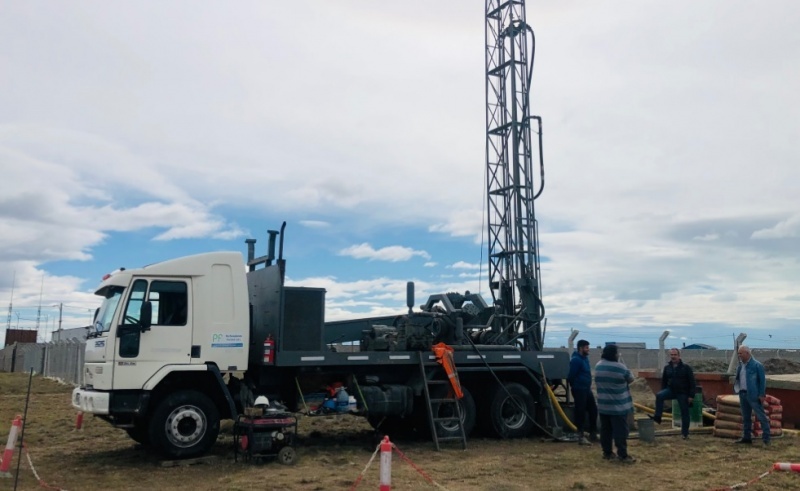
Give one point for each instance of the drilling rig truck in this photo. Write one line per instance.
(179, 345)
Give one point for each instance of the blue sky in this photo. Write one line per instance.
(134, 132)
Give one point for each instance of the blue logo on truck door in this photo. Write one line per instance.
(225, 340)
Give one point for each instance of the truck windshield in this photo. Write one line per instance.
(113, 294)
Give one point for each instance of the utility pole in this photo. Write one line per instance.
(60, 312)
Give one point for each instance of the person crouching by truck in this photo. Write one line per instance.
(677, 382)
(614, 403)
(580, 382)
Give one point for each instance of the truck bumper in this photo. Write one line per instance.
(91, 401)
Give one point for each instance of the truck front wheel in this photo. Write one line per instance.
(185, 424)
(140, 432)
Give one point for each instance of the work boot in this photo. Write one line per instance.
(584, 441)
(745, 441)
(627, 460)
(656, 420)
(610, 456)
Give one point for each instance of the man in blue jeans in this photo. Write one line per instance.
(751, 385)
(677, 383)
(580, 381)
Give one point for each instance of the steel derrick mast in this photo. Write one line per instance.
(512, 228)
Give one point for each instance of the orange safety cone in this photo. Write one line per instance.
(8, 454)
(386, 464)
(79, 421)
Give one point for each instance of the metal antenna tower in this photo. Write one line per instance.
(512, 227)
(11, 302)
(39, 311)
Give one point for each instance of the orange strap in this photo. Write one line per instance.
(444, 356)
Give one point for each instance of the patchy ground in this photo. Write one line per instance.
(777, 366)
(334, 450)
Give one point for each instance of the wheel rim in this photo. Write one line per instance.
(513, 418)
(286, 455)
(185, 426)
(449, 411)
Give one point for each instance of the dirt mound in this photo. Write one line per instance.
(709, 366)
(778, 366)
(640, 386)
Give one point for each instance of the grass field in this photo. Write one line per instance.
(333, 450)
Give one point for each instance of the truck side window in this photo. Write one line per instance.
(170, 302)
(134, 308)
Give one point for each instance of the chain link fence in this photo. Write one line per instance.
(647, 359)
(61, 360)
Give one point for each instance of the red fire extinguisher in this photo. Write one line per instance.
(269, 350)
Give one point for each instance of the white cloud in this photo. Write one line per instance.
(389, 253)
(314, 223)
(784, 229)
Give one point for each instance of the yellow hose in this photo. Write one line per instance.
(552, 395)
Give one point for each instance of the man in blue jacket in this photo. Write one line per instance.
(751, 385)
(580, 380)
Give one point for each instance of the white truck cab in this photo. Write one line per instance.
(177, 323)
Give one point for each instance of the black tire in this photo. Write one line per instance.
(185, 424)
(446, 410)
(511, 411)
(140, 433)
(395, 426)
(287, 456)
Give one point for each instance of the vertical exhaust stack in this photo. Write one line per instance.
(271, 246)
(251, 253)
(410, 297)
(253, 261)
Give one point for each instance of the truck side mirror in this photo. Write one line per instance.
(146, 316)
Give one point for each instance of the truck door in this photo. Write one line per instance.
(142, 347)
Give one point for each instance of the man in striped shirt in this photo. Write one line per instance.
(614, 403)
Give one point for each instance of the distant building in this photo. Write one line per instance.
(20, 336)
(628, 345)
(699, 346)
(74, 334)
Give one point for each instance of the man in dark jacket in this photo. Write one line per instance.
(677, 383)
(580, 380)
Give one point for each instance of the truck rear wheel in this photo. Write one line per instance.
(185, 424)
(511, 411)
(447, 410)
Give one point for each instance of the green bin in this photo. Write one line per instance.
(695, 411)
